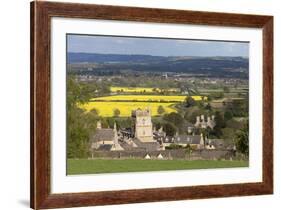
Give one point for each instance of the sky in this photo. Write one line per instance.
(154, 46)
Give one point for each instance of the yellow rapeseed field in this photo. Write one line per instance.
(139, 89)
(127, 103)
(106, 108)
(148, 98)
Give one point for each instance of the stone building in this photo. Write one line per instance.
(202, 123)
(143, 125)
(142, 140)
(105, 138)
(195, 141)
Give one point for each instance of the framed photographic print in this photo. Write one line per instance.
(136, 105)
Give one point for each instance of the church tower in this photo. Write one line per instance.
(143, 125)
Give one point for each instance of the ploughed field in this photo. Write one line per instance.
(127, 103)
(93, 166)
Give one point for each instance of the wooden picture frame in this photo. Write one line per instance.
(41, 14)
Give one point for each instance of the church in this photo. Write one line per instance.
(143, 125)
(142, 137)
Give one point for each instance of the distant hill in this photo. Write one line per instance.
(212, 66)
(101, 58)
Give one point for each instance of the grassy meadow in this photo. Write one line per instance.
(93, 166)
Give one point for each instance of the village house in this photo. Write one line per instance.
(105, 139)
(142, 139)
(202, 123)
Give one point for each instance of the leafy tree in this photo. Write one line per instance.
(188, 150)
(174, 118)
(170, 129)
(77, 134)
(116, 112)
(220, 123)
(95, 111)
(242, 140)
(208, 107)
(173, 146)
(189, 101)
(157, 124)
(228, 134)
(191, 117)
(228, 115)
(79, 122)
(160, 110)
(235, 124)
(239, 108)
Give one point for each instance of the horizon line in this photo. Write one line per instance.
(162, 55)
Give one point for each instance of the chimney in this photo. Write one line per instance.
(99, 124)
(202, 118)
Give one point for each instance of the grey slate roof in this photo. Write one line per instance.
(217, 143)
(147, 146)
(188, 124)
(105, 134)
(105, 147)
(183, 139)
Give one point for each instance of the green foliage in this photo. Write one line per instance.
(122, 122)
(239, 108)
(173, 146)
(242, 140)
(220, 123)
(174, 118)
(160, 110)
(95, 111)
(188, 149)
(228, 134)
(116, 112)
(189, 102)
(208, 107)
(190, 115)
(170, 129)
(228, 115)
(79, 123)
(234, 124)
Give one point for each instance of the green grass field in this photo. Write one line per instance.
(87, 166)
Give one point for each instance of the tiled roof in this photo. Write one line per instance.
(183, 139)
(105, 147)
(102, 135)
(148, 146)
